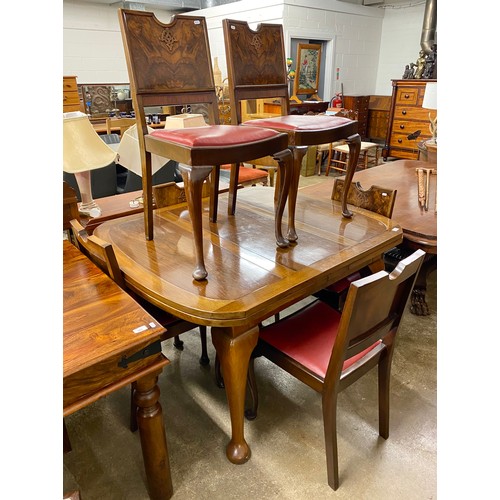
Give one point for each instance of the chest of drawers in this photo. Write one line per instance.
(407, 117)
(360, 104)
(71, 101)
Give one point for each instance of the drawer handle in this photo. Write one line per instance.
(407, 96)
(403, 112)
(400, 141)
(401, 127)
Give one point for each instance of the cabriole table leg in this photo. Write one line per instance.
(234, 348)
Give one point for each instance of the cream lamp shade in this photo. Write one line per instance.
(430, 102)
(129, 153)
(430, 96)
(83, 151)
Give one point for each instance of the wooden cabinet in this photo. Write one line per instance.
(378, 117)
(71, 101)
(407, 117)
(360, 104)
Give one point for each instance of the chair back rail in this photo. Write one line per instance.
(100, 252)
(256, 64)
(376, 199)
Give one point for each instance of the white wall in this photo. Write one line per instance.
(400, 44)
(370, 46)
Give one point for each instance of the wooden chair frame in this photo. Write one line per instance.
(256, 64)
(359, 339)
(163, 72)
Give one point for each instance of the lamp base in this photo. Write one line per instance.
(87, 206)
(91, 209)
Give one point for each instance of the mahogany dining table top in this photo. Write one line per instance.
(419, 225)
(250, 278)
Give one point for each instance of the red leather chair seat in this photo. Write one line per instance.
(310, 340)
(304, 123)
(344, 283)
(246, 174)
(218, 136)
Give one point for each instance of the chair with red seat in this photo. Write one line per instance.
(170, 64)
(376, 199)
(256, 65)
(328, 350)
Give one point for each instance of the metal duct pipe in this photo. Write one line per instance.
(428, 37)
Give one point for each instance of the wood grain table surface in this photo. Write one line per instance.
(110, 342)
(250, 278)
(419, 226)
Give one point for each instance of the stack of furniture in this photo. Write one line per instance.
(408, 121)
(200, 151)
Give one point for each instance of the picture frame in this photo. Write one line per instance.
(308, 68)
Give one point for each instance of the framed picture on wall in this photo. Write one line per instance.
(308, 68)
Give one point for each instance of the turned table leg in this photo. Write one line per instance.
(234, 352)
(153, 438)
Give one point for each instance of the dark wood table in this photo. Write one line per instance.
(250, 278)
(419, 225)
(111, 342)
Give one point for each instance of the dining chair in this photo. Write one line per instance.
(256, 65)
(102, 254)
(328, 350)
(170, 64)
(376, 199)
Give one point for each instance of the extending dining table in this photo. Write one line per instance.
(251, 278)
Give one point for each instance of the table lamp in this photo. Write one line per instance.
(129, 153)
(430, 102)
(83, 151)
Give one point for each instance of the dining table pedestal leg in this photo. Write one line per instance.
(234, 348)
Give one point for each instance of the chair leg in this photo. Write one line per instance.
(384, 376)
(178, 343)
(330, 430)
(204, 359)
(66, 440)
(133, 410)
(219, 380)
(251, 413)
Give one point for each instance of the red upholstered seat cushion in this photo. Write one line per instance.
(303, 123)
(308, 337)
(247, 174)
(344, 283)
(214, 135)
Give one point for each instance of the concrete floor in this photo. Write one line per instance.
(288, 460)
